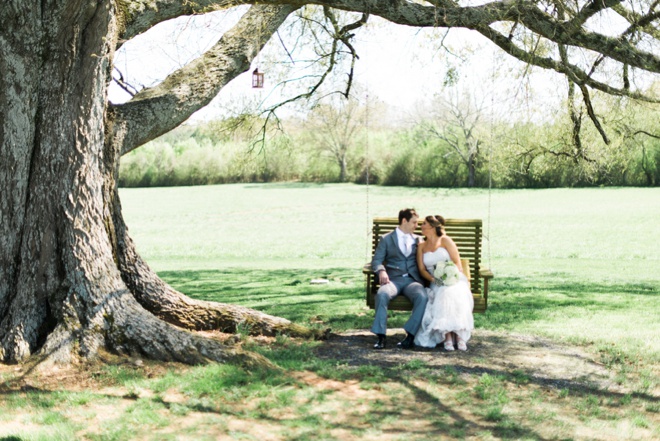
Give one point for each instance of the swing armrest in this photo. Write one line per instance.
(366, 269)
(485, 273)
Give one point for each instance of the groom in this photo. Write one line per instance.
(395, 263)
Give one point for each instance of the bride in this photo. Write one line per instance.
(449, 309)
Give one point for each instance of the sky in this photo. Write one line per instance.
(398, 66)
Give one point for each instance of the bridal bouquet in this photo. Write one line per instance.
(446, 273)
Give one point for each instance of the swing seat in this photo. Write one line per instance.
(467, 235)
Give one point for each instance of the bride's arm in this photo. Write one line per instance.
(451, 247)
(420, 262)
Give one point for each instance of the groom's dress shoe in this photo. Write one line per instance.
(407, 343)
(380, 344)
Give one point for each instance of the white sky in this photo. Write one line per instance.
(397, 65)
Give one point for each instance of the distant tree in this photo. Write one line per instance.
(456, 121)
(335, 130)
(637, 125)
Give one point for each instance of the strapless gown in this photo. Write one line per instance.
(449, 308)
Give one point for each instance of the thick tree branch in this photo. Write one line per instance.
(528, 13)
(141, 15)
(143, 118)
(157, 110)
(580, 75)
(640, 21)
(591, 9)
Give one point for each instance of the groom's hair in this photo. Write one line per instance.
(407, 214)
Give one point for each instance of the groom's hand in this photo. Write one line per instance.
(383, 278)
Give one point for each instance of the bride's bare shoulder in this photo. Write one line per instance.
(444, 240)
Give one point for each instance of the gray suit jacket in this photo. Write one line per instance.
(389, 257)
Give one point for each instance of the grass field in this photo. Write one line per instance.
(579, 257)
(575, 268)
(315, 226)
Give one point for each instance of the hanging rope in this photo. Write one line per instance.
(368, 160)
(368, 164)
(490, 155)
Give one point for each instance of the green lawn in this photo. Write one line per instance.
(572, 231)
(579, 263)
(578, 267)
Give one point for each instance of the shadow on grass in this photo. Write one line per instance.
(355, 351)
(516, 301)
(461, 426)
(340, 303)
(449, 371)
(285, 293)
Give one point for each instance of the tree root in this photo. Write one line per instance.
(140, 332)
(132, 331)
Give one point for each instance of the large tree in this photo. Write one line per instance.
(71, 281)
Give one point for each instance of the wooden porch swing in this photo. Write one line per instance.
(467, 234)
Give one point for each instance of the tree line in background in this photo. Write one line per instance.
(453, 145)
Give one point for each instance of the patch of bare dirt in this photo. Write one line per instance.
(75, 378)
(544, 361)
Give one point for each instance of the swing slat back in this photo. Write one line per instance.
(466, 233)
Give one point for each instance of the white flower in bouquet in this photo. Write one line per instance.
(438, 272)
(446, 273)
(451, 274)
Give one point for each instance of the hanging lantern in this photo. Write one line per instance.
(257, 79)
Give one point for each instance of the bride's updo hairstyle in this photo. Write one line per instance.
(437, 222)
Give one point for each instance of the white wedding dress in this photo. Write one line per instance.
(449, 308)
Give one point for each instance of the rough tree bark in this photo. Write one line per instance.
(71, 282)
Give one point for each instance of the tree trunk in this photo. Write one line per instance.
(343, 169)
(70, 280)
(472, 170)
(646, 169)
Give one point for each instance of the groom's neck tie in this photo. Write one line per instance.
(408, 244)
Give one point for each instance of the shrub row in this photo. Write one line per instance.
(509, 157)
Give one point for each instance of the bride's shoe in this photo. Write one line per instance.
(449, 346)
(462, 346)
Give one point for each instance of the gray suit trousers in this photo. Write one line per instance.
(409, 288)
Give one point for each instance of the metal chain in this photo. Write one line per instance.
(490, 156)
(367, 247)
